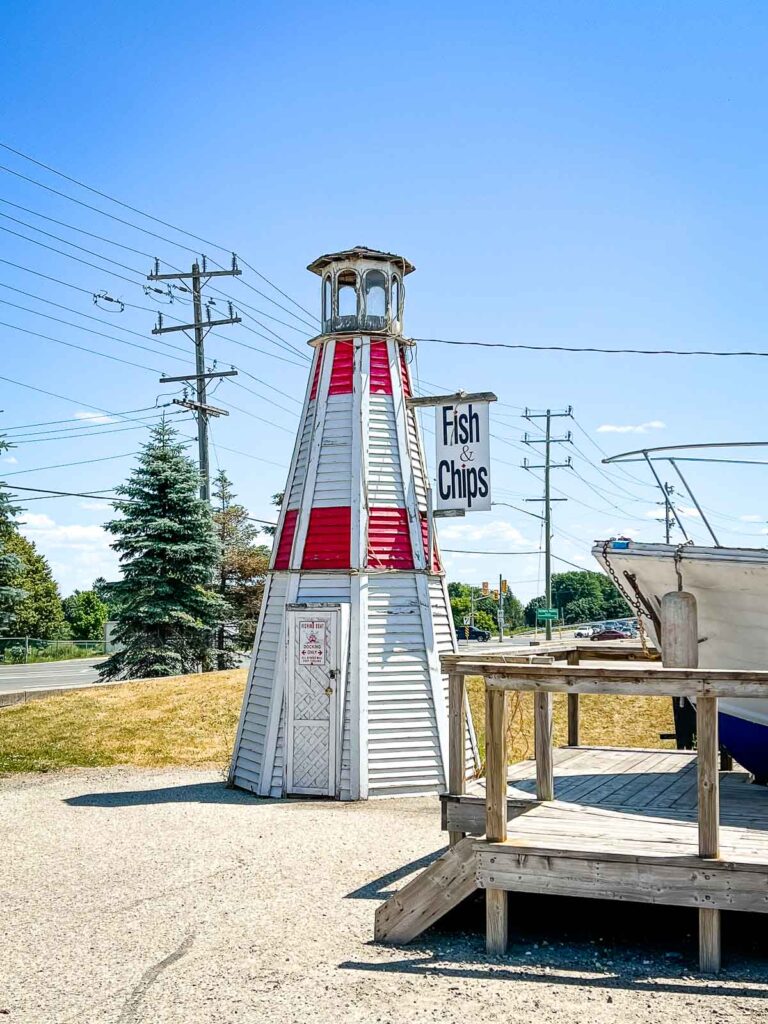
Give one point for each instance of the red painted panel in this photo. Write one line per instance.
(341, 374)
(316, 375)
(425, 541)
(381, 381)
(282, 559)
(328, 538)
(389, 542)
(404, 374)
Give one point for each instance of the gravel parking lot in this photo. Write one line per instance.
(151, 896)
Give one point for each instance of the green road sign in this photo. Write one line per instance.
(547, 614)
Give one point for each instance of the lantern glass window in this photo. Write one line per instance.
(395, 304)
(375, 294)
(327, 302)
(347, 294)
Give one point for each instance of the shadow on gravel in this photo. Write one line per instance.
(195, 793)
(378, 888)
(655, 978)
(623, 945)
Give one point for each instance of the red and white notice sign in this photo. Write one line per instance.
(312, 642)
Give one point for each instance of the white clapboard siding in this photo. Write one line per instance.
(250, 752)
(414, 450)
(314, 589)
(345, 792)
(445, 639)
(403, 746)
(333, 486)
(385, 484)
(278, 769)
(302, 459)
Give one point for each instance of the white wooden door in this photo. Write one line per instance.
(314, 678)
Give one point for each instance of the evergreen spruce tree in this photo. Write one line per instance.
(166, 613)
(11, 594)
(240, 572)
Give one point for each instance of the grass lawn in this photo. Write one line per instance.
(605, 719)
(182, 720)
(191, 720)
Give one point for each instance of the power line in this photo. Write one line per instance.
(65, 398)
(69, 255)
(88, 316)
(65, 241)
(99, 334)
(589, 348)
(149, 309)
(48, 493)
(90, 433)
(81, 348)
(71, 419)
(66, 465)
(141, 213)
(138, 252)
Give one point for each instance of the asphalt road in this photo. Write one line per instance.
(55, 675)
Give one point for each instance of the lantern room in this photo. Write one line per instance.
(362, 290)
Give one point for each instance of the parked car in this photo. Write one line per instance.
(473, 633)
(585, 632)
(610, 634)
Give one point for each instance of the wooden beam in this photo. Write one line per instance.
(457, 726)
(680, 649)
(709, 823)
(542, 733)
(428, 896)
(496, 923)
(658, 682)
(573, 706)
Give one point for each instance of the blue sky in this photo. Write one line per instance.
(578, 174)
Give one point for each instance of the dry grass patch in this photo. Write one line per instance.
(182, 720)
(191, 720)
(606, 720)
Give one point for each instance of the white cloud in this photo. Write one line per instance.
(94, 417)
(639, 428)
(77, 552)
(752, 519)
(685, 511)
(11, 459)
(501, 531)
(96, 506)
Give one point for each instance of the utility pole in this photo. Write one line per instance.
(669, 490)
(548, 466)
(198, 278)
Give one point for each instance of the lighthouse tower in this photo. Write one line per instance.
(345, 697)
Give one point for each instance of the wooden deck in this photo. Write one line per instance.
(651, 826)
(624, 789)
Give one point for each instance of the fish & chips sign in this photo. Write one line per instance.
(463, 456)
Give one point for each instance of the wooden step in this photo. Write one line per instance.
(425, 899)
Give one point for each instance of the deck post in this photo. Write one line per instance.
(542, 737)
(573, 706)
(496, 811)
(457, 726)
(680, 649)
(709, 818)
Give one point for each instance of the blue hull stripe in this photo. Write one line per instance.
(747, 741)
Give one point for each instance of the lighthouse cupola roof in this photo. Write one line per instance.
(362, 290)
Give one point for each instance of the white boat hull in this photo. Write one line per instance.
(731, 590)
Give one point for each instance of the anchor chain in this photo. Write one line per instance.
(639, 611)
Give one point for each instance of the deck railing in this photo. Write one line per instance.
(705, 685)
